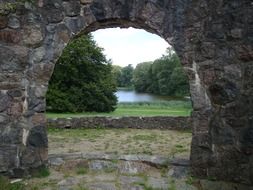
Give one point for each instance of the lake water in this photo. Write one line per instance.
(133, 96)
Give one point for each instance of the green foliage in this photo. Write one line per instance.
(82, 171)
(165, 76)
(169, 108)
(116, 72)
(145, 137)
(82, 80)
(42, 172)
(141, 78)
(126, 76)
(190, 180)
(123, 76)
(172, 184)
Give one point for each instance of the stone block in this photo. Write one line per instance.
(72, 8)
(14, 22)
(5, 101)
(33, 157)
(41, 72)
(32, 35)
(223, 91)
(37, 137)
(75, 24)
(9, 157)
(236, 33)
(10, 36)
(11, 134)
(3, 22)
(39, 119)
(54, 15)
(15, 110)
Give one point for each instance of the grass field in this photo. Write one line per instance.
(167, 143)
(161, 108)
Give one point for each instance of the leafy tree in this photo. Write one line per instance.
(116, 72)
(165, 76)
(179, 85)
(126, 76)
(82, 80)
(141, 77)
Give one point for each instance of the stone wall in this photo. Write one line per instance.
(213, 39)
(175, 123)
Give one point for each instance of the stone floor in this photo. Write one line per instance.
(79, 171)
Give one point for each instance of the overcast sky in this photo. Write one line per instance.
(130, 46)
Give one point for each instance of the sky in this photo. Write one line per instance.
(130, 46)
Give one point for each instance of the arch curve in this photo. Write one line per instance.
(213, 40)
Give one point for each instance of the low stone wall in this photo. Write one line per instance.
(176, 123)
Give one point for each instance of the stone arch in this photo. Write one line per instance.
(212, 38)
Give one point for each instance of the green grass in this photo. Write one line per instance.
(82, 171)
(41, 172)
(90, 134)
(6, 185)
(149, 137)
(162, 108)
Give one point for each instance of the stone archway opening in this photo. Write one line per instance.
(179, 147)
(213, 40)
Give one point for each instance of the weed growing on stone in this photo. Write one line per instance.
(109, 170)
(164, 172)
(82, 171)
(42, 172)
(172, 185)
(189, 180)
(211, 178)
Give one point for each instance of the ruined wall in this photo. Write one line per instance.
(212, 38)
(158, 122)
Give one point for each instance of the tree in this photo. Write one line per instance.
(165, 76)
(82, 80)
(141, 77)
(179, 85)
(116, 72)
(126, 76)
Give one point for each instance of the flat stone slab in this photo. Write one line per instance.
(56, 161)
(153, 160)
(178, 172)
(102, 165)
(130, 167)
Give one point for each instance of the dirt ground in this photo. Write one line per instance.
(121, 141)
